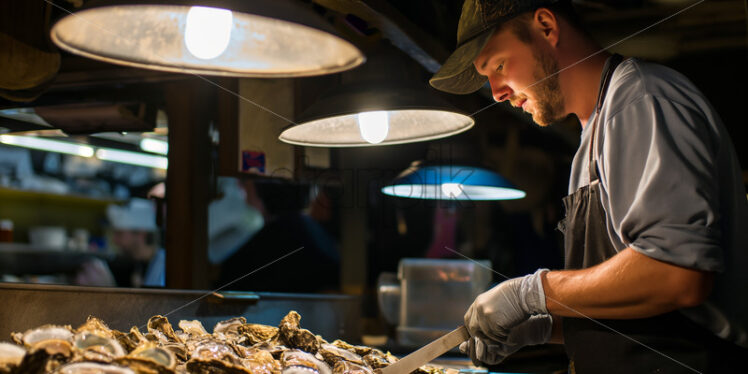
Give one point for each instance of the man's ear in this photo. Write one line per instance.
(546, 22)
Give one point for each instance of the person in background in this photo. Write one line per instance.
(231, 220)
(134, 235)
(294, 231)
(655, 230)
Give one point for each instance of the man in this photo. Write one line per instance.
(655, 231)
(134, 234)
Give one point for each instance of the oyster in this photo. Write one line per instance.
(214, 356)
(160, 327)
(96, 326)
(357, 349)
(193, 328)
(131, 340)
(149, 359)
(292, 335)
(93, 368)
(94, 347)
(214, 350)
(214, 367)
(179, 350)
(260, 361)
(296, 361)
(255, 333)
(158, 355)
(11, 356)
(345, 367)
(228, 328)
(332, 354)
(378, 359)
(41, 361)
(428, 369)
(54, 341)
(46, 332)
(276, 350)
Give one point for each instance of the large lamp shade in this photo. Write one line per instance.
(278, 38)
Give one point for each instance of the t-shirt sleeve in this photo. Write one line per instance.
(657, 165)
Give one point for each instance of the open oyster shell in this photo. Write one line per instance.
(345, 367)
(255, 333)
(93, 368)
(96, 326)
(11, 356)
(333, 354)
(160, 327)
(91, 346)
(193, 328)
(293, 336)
(297, 361)
(42, 333)
(229, 327)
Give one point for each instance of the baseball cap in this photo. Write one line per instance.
(138, 214)
(478, 20)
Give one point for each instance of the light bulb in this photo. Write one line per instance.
(207, 31)
(452, 190)
(374, 126)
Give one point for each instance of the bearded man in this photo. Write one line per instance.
(656, 217)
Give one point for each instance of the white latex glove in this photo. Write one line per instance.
(536, 330)
(95, 273)
(510, 303)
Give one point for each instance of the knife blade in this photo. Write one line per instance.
(427, 353)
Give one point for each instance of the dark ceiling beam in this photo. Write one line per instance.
(112, 76)
(403, 33)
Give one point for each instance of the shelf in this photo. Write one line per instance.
(24, 259)
(53, 198)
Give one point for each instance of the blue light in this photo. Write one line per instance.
(452, 182)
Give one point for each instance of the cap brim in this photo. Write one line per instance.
(458, 74)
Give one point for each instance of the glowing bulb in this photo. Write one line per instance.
(374, 126)
(208, 31)
(452, 190)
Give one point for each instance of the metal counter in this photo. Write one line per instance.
(24, 306)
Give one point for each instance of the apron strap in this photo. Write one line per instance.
(608, 69)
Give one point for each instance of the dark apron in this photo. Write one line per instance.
(593, 346)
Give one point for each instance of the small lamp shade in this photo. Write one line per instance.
(452, 182)
(276, 38)
(367, 115)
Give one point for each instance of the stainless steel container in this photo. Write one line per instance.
(24, 306)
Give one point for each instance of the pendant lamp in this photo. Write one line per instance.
(363, 115)
(278, 38)
(451, 182)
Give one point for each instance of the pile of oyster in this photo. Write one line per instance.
(235, 346)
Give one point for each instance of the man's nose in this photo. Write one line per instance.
(500, 91)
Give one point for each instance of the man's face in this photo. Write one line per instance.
(524, 74)
(132, 243)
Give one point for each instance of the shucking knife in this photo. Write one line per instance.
(427, 353)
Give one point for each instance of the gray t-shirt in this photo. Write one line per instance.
(671, 185)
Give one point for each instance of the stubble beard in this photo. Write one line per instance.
(549, 102)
